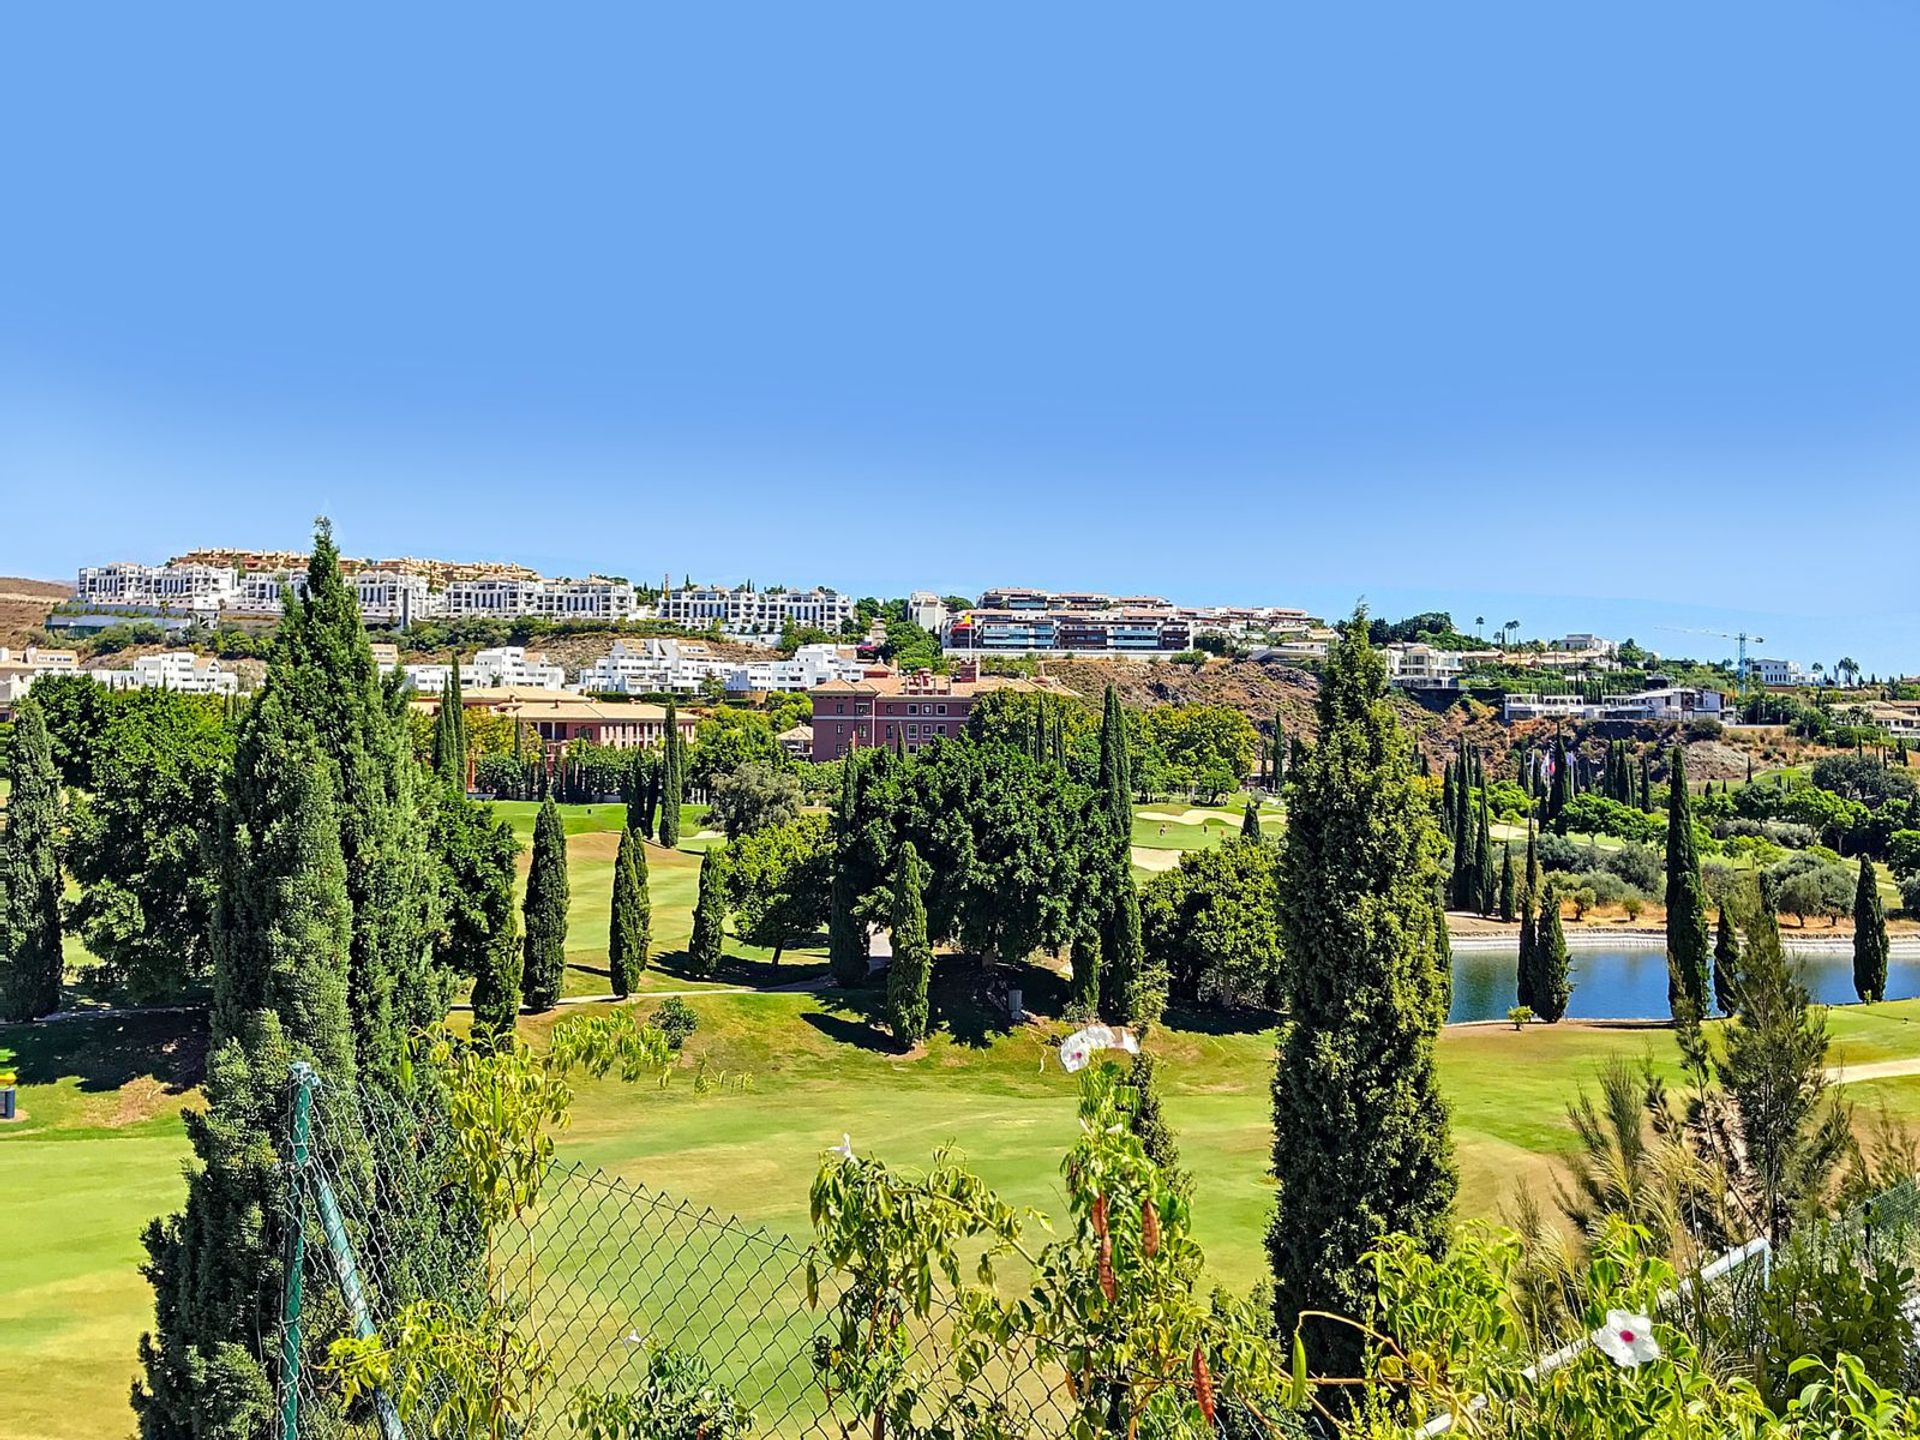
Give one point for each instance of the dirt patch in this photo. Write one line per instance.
(139, 1099)
(1716, 760)
(595, 845)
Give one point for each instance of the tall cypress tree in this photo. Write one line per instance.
(846, 935)
(1084, 986)
(1147, 1121)
(1529, 933)
(548, 892)
(1276, 765)
(1361, 1147)
(1646, 783)
(1869, 937)
(1250, 822)
(635, 785)
(1508, 907)
(1135, 986)
(709, 916)
(629, 931)
(1688, 948)
(1116, 766)
(672, 782)
(282, 957)
(1487, 898)
(912, 965)
(1562, 779)
(31, 964)
(1726, 964)
(450, 730)
(1551, 987)
(1450, 803)
(323, 667)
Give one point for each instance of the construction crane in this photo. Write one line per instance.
(1741, 637)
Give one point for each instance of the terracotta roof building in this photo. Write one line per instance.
(882, 708)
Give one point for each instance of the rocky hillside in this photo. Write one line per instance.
(25, 605)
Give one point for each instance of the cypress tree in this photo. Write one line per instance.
(324, 669)
(1688, 948)
(450, 730)
(1557, 794)
(1134, 990)
(912, 965)
(629, 931)
(1529, 933)
(1449, 804)
(634, 785)
(1646, 783)
(846, 935)
(1250, 823)
(1869, 937)
(709, 915)
(31, 963)
(1084, 987)
(1147, 1121)
(1486, 899)
(1551, 987)
(1274, 751)
(545, 943)
(1116, 766)
(672, 782)
(282, 957)
(1507, 907)
(1726, 964)
(1361, 1146)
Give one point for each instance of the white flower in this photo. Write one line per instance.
(633, 1337)
(1079, 1047)
(1627, 1339)
(844, 1149)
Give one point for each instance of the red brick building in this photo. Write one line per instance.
(882, 707)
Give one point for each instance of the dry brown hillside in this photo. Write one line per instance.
(24, 606)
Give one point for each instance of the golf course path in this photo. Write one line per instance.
(1877, 1070)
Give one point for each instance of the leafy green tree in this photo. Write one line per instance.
(282, 958)
(726, 741)
(545, 945)
(76, 709)
(479, 933)
(672, 782)
(1688, 948)
(912, 964)
(1361, 1147)
(1212, 923)
(1208, 749)
(754, 797)
(1869, 937)
(1726, 964)
(1551, 986)
(629, 931)
(704, 951)
(779, 882)
(30, 947)
(450, 730)
(144, 843)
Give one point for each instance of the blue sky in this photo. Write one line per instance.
(1598, 317)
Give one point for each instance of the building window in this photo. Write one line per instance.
(943, 709)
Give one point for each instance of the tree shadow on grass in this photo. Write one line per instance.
(106, 1053)
(853, 1017)
(1205, 1020)
(970, 1001)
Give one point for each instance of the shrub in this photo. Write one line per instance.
(675, 1019)
(678, 1400)
(1705, 727)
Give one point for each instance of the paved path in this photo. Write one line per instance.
(1874, 1070)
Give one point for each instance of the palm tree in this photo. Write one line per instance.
(1478, 621)
(1513, 628)
(1847, 666)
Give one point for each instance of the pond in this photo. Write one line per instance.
(1629, 982)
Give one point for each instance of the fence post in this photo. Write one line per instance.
(301, 1080)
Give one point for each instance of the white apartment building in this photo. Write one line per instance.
(180, 670)
(755, 614)
(203, 588)
(507, 596)
(495, 669)
(1682, 702)
(1423, 667)
(927, 610)
(1777, 672)
(654, 666)
(811, 665)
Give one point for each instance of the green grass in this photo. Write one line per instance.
(98, 1151)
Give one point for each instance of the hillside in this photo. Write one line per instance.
(25, 605)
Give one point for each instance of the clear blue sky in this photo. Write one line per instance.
(1596, 316)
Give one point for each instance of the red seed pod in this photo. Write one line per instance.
(1106, 1246)
(1149, 1228)
(1202, 1383)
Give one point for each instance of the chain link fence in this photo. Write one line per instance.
(605, 1274)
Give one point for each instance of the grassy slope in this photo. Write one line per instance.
(817, 1068)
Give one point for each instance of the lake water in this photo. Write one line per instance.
(1630, 982)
